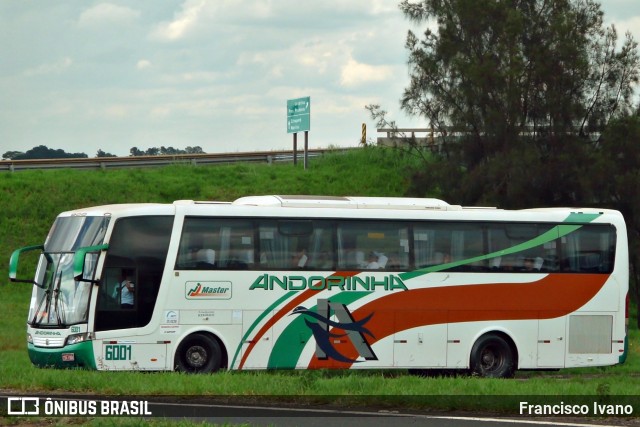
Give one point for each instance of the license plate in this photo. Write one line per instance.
(68, 357)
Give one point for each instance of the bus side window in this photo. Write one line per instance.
(533, 258)
(296, 244)
(370, 245)
(589, 249)
(215, 243)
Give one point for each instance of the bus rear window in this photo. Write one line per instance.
(590, 249)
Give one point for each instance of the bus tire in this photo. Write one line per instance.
(492, 357)
(198, 353)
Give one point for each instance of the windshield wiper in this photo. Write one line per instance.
(57, 307)
(38, 317)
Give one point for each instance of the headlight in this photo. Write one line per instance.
(76, 338)
(29, 338)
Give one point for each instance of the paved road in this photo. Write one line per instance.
(314, 417)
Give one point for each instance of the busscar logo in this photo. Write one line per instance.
(355, 331)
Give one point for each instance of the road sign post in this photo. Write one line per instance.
(295, 149)
(306, 148)
(299, 120)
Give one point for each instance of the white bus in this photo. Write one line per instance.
(307, 282)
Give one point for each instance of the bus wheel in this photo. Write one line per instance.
(198, 353)
(492, 357)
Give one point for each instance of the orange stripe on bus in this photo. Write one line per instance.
(553, 296)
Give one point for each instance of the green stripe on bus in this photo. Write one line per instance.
(623, 356)
(257, 322)
(83, 356)
(549, 236)
(289, 345)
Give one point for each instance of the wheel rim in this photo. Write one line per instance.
(491, 359)
(196, 356)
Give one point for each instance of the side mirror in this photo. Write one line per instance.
(79, 261)
(13, 263)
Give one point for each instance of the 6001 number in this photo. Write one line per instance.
(117, 352)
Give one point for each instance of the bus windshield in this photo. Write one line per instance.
(58, 300)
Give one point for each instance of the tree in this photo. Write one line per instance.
(10, 155)
(101, 153)
(616, 177)
(165, 151)
(168, 151)
(194, 150)
(502, 68)
(516, 78)
(44, 152)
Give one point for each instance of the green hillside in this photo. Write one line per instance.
(30, 200)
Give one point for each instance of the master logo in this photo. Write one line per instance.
(208, 290)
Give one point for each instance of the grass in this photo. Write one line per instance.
(31, 200)
(17, 373)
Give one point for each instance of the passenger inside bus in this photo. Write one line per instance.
(205, 259)
(299, 258)
(533, 264)
(372, 261)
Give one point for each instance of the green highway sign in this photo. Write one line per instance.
(298, 115)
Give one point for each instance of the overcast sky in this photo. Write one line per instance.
(111, 75)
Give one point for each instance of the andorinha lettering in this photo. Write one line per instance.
(319, 283)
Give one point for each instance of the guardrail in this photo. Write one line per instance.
(422, 137)
(151, 161)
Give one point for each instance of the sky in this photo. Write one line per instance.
(112, 75)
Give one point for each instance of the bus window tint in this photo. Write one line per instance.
(292, 245)
(522, 252)
(216, 243)
(590, 249)
(369, 245)
(445, 243)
